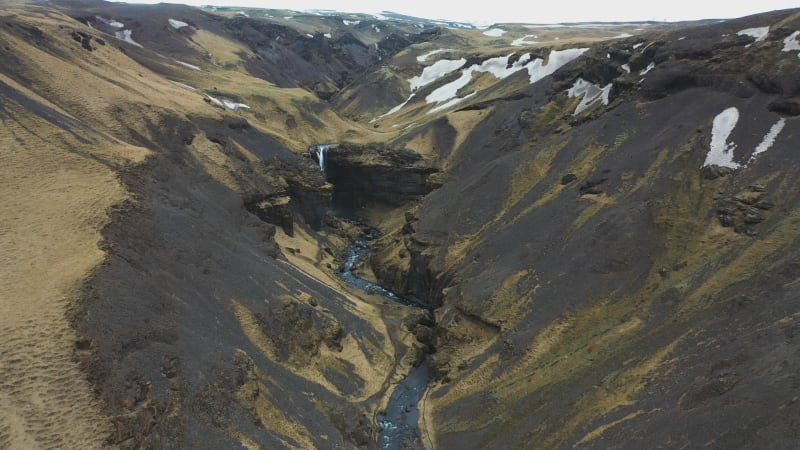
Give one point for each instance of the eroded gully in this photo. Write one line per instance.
(399, 423)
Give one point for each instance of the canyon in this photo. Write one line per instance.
(245, 228)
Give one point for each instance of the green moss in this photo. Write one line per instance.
(620, 139)
(532, 171)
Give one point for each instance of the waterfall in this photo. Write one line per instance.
(319, 152)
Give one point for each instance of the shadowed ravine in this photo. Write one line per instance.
(398, 424)
(355, 253)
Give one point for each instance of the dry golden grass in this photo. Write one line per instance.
(582, 166)
(53, 204)
(509, 303)
(597, 203)
(223, 52)
(749, 262)
(214, 161)
(312, 369)
(374, 368)
(598, 432)
(258, 399)
(423, 144)
(530, 173)
(464, 122)
(614, 392)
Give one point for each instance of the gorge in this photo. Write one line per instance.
(250, 228)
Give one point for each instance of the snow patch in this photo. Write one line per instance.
(494, 32)
(647, 46)
(125, 35)
(622, 36)
(791, 42)
(309, 35)
(635, 46)
(557, 59)
(769, 139)
(233, 105)
(450, 103)
(721, 152)
(215, 101)
(243, 14)
(423, 58)
(647, 69)
(393, 110)
(498, 67)
(186, 86)
(191, 66)
(435, 71)
(328, 35)
(376, 28)
(626, 68)
(110, 22)
(177, 24)
(524, 40)
(591, 94)
(350, 22)
(225, 103)
(758, 33)
(449, 90)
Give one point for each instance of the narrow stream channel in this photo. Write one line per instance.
(399, 424)
(358, 251)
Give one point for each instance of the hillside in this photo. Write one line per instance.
(593, 228)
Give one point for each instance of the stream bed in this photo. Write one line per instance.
(399, 424)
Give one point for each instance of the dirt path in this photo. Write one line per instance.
(53, 204)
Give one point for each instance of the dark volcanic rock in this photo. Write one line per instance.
(324, 66)
(591, 186)
(543, 276)
(713, 172)
(274, 210)
(160, 314)
(789, 107)
(84, 39)
(298, 330)
(374, 174)
(568, 178)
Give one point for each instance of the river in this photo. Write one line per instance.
(399, 423)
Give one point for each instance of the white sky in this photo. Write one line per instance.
(490, 11)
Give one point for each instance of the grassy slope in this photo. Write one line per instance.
(66, 134)
(58, 183)
(602, 328)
